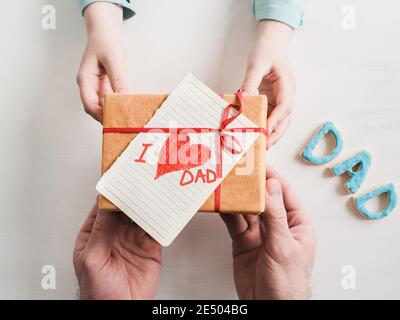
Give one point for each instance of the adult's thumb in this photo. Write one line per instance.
(101, 240)
(275, 215)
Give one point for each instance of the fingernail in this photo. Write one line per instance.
(274, 187)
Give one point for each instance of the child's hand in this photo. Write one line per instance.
(268, 71)
(103, 66)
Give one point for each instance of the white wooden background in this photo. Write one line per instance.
(50, 149)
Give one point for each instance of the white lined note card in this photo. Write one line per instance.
(162, 179)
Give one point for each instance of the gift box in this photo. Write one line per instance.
(243, 189)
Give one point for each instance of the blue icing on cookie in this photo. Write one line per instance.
(391, 204)
(363, 160)
(328, 127)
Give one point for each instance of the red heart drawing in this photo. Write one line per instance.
(178, 154)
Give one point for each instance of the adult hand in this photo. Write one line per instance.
(268, 72)
(115, 259)
(273, 253)
(103, 65)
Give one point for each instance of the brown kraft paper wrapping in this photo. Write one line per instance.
(239, 193)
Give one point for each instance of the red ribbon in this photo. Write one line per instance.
(225, 135)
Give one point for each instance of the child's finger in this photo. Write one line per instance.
(277, 115)
(284, 101)
(105, 88)
(278, 132)
(252, 78)
(89, 97)
(116, 72)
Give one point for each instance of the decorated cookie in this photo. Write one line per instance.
(356, 167)
(307, 154)
(360, 201)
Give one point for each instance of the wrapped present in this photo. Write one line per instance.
(243, 189)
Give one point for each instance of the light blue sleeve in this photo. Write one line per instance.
(127, 5)
(287, 11)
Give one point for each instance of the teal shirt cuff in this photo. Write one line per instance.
(290, 12)
(127, 6)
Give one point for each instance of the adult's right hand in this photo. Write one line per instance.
(103, 65)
